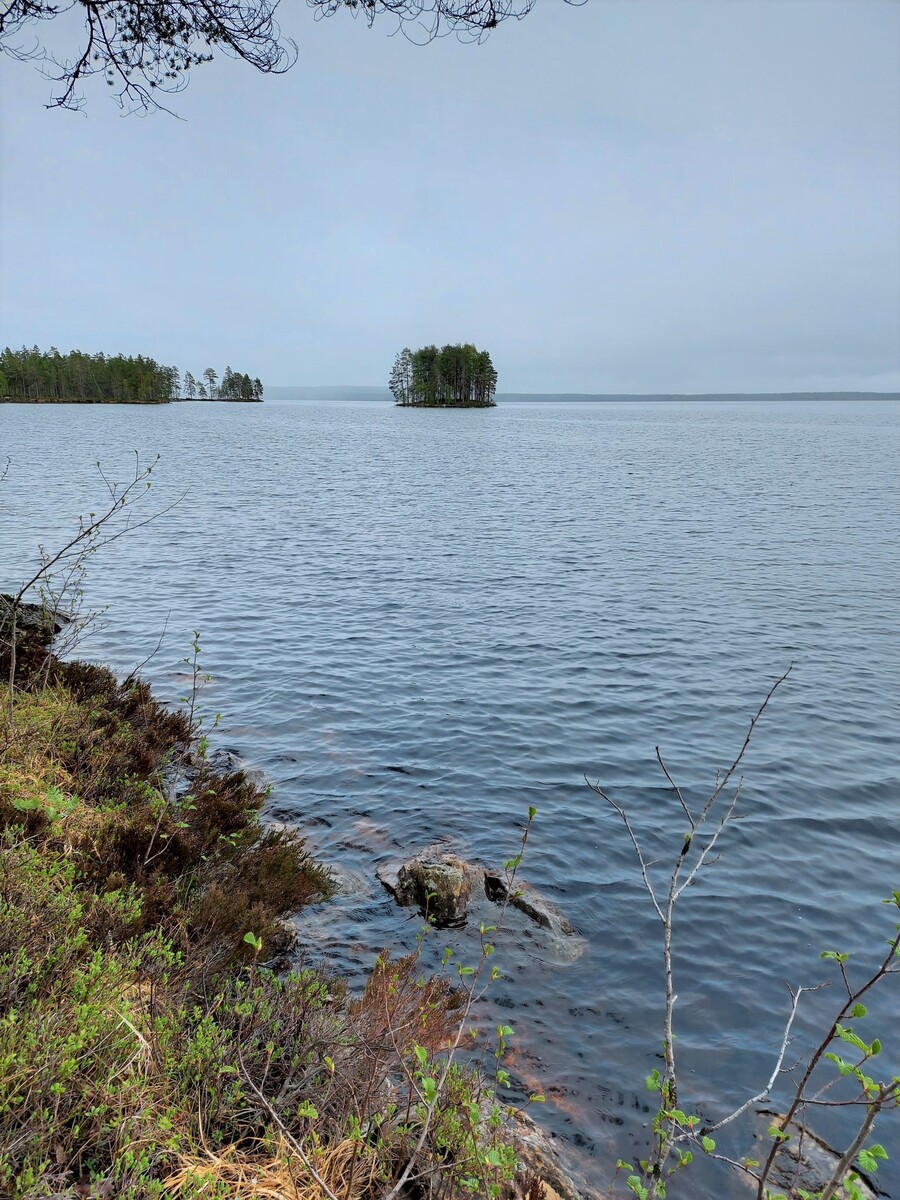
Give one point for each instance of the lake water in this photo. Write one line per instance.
(420, 623)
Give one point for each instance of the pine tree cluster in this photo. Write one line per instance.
(459, 376)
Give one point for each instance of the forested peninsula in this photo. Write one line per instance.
(459, 376)
(35, 376)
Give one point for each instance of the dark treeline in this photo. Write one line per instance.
(459, 376)
(48, 375)
(112, 379)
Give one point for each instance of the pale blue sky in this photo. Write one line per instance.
(628, 196)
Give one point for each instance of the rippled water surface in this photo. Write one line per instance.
(421, 623)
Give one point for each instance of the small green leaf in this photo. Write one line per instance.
(847, 1035)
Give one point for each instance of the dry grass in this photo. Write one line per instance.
(350, 1170)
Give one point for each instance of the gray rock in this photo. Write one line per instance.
(347, 882)
(387, 873)
(180, 774)
(438, 884)
(31, 618)
(434, 880)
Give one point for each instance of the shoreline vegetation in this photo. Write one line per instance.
(155, 1037)
(155, 400)
(35, 376)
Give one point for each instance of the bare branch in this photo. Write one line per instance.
(645, 876)
(779, 1062)
(675, 788)
(722, 780)
(704, 859)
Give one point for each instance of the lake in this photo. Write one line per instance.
(419, 624)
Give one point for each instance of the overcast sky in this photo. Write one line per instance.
(624, 197)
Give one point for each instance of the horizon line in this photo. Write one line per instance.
(374, 387)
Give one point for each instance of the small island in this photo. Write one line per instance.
(35, 376)
(459, 376)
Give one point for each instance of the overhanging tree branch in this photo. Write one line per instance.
(146, 48)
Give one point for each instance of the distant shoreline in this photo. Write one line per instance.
(637, 397)
(284, 394)
(167, 400)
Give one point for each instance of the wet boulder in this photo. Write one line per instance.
(435, 881)
(438, 883)
(30, 619)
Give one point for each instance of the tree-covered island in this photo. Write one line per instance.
(46, 376)
(459, 376)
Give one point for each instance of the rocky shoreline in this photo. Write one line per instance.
(164, 852)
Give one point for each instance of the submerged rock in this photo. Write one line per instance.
(542, 1173)
(347, 882)
(181, 772)
(527, 901)
(224, 761)
(806, 1163)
